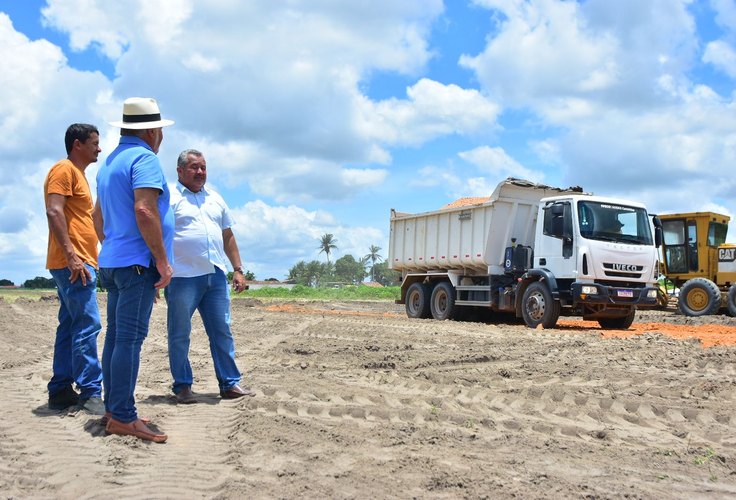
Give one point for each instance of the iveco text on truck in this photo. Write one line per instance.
(532, 250)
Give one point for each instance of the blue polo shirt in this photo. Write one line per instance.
(132, 165)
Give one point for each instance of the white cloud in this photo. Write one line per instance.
(567, 59)
(433, 110)
(721, 55)
(496, 163)
(274, 238)
(113, 27)
(433, 176)
(725, 14)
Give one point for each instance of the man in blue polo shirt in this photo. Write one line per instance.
(135, 224)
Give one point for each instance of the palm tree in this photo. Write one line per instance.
(373, 257)
(327, 245)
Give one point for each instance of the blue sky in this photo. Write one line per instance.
(319, 116)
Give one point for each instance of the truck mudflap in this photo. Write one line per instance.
(595, 293)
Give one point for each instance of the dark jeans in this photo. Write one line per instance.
(130, 295)
(210, 295)
(75, 348)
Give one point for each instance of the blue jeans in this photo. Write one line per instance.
(130, 294)
(75, 348)
(210, 295)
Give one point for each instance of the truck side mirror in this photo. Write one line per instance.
(658, 234)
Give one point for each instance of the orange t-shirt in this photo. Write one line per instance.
(67, 180)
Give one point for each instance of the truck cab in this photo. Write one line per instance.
(598, 256)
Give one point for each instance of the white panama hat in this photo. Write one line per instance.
(140, 113)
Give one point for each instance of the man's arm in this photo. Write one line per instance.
(233, 254)
(57, 224)
(98, 221)
(149, 224)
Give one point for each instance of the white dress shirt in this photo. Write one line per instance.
(199, 219)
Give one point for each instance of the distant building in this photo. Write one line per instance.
(255, 285)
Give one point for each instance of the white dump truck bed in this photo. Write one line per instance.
(469, 237)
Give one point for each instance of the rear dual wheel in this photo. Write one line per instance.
(417, 300)
(442, 303)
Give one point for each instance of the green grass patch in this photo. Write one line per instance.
(12, 294)
(304, 292)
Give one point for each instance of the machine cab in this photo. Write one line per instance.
(690, 244)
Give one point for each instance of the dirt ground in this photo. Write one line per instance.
(354, 400)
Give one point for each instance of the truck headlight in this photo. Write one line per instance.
(651, 294)
(589, 290)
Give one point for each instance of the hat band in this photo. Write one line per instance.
(156, 117)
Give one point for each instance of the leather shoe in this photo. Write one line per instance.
(236, 392)
(185, 396)
(135, 428)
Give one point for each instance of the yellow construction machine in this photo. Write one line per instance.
(697, 259)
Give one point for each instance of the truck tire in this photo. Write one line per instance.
(620, 323)
(731, 303)
(699, 297)
(417, 300)
(442, 304)
(538, 307)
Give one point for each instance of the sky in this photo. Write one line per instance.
(319, 116)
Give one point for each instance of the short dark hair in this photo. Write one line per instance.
(78, 131)
(184, 156)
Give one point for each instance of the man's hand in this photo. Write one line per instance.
(165, 270)
(78, 270)
(239, 282)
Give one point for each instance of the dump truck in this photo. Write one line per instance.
(531, 250)
(697, 260)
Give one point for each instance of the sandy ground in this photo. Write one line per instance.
(354, 400)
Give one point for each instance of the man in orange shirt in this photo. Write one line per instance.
(72, 261)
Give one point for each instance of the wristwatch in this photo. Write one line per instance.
(238, 270)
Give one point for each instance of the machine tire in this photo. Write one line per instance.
(699, 297)
(731, 303)
(417, 300)
(620, 323)
(442, 303)
(538, 307)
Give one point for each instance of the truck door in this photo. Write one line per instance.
(556, 250)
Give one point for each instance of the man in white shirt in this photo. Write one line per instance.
(203, 238)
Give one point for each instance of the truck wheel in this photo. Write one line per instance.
(538, 306)
(417, 300)
(732, 300)
(620, 323)
(443, 301)
(699, 297)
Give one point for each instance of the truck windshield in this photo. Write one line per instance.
(611, 222)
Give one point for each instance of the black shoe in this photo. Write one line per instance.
(93, 406)
(63, 399)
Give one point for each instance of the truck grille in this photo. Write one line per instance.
(630, 271)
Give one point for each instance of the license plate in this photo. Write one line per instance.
(626, 293)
